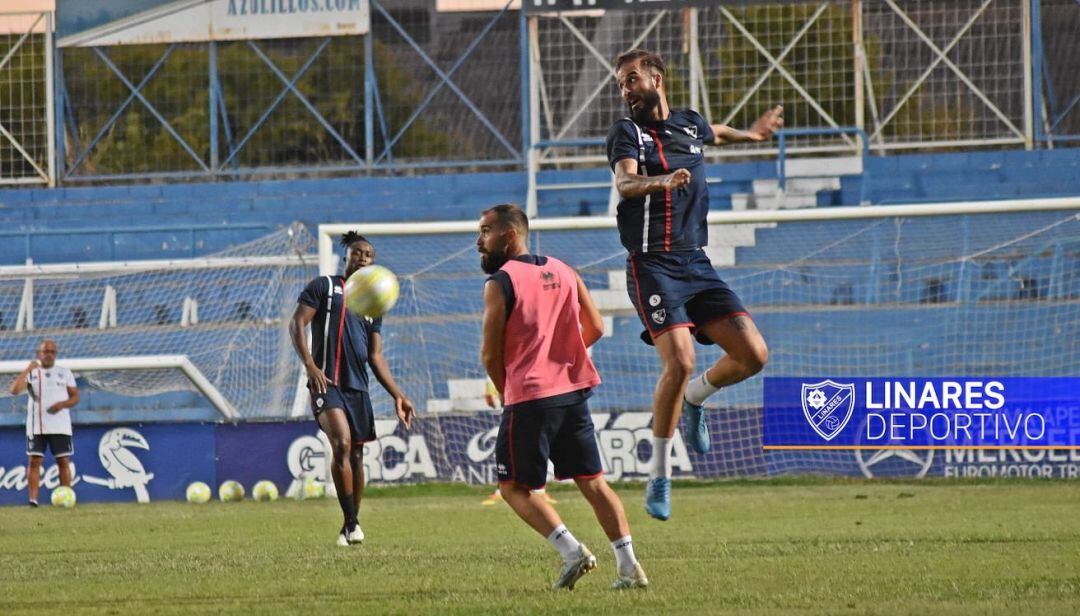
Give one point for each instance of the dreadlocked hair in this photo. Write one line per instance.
(351, 237)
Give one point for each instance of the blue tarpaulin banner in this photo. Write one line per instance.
(149, 462)
(919, 413)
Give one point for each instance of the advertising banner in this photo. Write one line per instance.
(133, 462)
(654, 5)
(922, 413)
(148, 462)
(113, 22)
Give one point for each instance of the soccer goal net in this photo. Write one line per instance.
(965, 289)
(205, 332)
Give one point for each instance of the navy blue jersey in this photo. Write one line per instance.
(340, 340)
(664, 221)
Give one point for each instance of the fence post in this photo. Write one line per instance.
(50, 102)
(1029, 101)
(1036, 98)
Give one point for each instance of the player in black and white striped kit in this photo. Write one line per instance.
(343, 346)
(51, 391)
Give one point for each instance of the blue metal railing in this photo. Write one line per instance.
(111, 232)
(781, 160)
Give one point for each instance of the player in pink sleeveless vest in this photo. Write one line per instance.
(539, 320)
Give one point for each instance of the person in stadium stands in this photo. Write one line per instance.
(657, 156)
(51, 391)
(491, 396)
(343, 345)
(538, 321)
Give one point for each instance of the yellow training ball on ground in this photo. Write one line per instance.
(198, 492)
(264, 491)
(231, 491)
(371, 291)
(63, 497)
(313, 488)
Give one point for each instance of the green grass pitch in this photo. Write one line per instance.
(775, 547)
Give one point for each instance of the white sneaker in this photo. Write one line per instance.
(343, 538)
(574, 568)
(355, 537)
(635, 580)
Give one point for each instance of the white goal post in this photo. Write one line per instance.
(213, 325)
(140, 363)
(988, 288)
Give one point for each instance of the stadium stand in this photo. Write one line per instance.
(213, 207)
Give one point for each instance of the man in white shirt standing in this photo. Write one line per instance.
(51, 392)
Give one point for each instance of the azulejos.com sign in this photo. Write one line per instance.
(208, 20)
(844, 413)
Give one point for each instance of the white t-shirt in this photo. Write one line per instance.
(46, 387)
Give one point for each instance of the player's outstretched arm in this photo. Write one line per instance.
(762, 130)
(592, 324)
(18, 386)
(631, 185)
(491, 348)
(298, 324)
(403, 406)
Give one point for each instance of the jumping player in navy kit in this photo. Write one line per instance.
(344, 344)
(657, 156)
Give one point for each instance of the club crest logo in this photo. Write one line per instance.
(827, 406)
(659, 315)
(691, 130)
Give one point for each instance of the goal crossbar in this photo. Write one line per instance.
(327, 232)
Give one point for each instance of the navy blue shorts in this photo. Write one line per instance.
(558, 428)
(678, 289)
(357, 407)
(60, 444)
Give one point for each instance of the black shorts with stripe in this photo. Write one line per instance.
(60, 445)
(557, 428)
(357, 407)
(670, 290)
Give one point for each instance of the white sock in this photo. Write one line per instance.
(661, 458)
(563, 541)
(699, 388)
(624, 555)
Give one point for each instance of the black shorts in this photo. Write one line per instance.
(670, 290)
(558, 428)
(60, 445)
(357, 407)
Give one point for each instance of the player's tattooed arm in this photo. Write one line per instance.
(762, 130)
(631, 185)
(494, 329)
(379, 366)
(298, 325)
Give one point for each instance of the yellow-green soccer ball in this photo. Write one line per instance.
(264, 491)
(63, 497)
(371, 291)
(198, 492)
(230, 491)
(313, 488)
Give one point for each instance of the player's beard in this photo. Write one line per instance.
(649, 100)
(492, 260)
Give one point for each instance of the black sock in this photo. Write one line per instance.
(348, 509)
